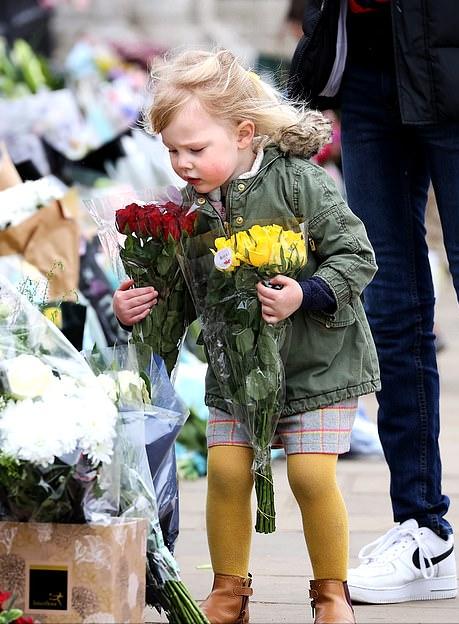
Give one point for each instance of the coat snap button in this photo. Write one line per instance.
(240, 186)
(201, 200)
(239, 220)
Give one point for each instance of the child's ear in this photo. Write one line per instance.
(245, 133)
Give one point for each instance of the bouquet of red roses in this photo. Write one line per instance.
(151, 227)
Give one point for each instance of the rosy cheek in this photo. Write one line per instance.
(219, 170)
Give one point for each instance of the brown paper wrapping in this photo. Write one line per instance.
(49, 240)
(75, 573)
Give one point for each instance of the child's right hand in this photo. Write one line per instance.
(131, 305)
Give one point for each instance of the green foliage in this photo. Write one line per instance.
(193, 434)
(151, 263)
(23, 71)
(40, 494)
(10, 616)
(9, 469)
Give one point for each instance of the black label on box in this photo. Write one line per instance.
(48, 587)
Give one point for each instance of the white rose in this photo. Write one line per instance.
(132, 387)
(126, 379)
(27, 376)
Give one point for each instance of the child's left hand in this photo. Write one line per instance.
(276, 305)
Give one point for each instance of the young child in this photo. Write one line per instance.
(243, 151)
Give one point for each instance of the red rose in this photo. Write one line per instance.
(187, 221)
(140, 223)
(170, 226)
(4, 596)
(172, 208)
(122, 220)
(24, 620)
(126, 218)
(154, 220)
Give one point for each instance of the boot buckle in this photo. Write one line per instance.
(313, 593)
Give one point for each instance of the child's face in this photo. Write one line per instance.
(205, 151)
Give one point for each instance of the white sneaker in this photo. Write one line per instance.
(407, 563)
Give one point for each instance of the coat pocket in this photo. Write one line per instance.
(342, 318)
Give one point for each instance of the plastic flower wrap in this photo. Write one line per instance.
(130, 376)
(151, 416)
(140, 235)
(245, 352)
(57, 427)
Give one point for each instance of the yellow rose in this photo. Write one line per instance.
(244, 243)
(222, 242)
(274, 231)
(275, 258)
(302, 253)
(261, 254)
(257, 231)
(294, 248)
(290, 238)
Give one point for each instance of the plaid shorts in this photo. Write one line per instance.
(324, 430)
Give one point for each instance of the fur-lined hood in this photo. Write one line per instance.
(307, 137)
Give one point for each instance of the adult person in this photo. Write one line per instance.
(393, 65)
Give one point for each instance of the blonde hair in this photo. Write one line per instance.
(232, 94)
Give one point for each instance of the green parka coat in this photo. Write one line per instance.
(331, 357)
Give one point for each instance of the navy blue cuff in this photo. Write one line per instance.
(317, 295)
(127, 328)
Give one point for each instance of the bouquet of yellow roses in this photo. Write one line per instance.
(245, 352)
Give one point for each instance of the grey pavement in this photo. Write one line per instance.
(280, 565)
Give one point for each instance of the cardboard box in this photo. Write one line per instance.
(75, 573)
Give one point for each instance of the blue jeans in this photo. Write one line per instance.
(387, 170)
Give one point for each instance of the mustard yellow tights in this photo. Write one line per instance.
(312, 478)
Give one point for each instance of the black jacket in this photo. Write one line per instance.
(426, 52)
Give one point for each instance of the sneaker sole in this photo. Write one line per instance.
(421, 589)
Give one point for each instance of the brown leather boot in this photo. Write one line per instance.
(331, 602)
(228, 602)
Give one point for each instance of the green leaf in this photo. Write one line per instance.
(245, 341)
(245, 279)
(145, 326)
(257, 386)
(165, 263)
(268, 350)
(11, 615)
(147, 381)
(158, 315)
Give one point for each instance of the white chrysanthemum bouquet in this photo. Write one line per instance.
(57, 425)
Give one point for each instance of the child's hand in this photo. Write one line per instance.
(277, 305)
(131, 305)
